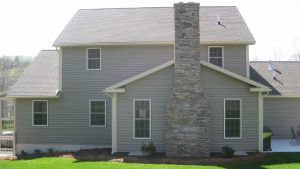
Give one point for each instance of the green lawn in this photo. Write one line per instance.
(273, 161)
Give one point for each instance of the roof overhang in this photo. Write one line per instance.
(150, 43)
(282, 97)
(118, 87)
(45, 97)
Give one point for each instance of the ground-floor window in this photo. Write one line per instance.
(232, 118)
(97, 113)
(40, 113)
(142, 118)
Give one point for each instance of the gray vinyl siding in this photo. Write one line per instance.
(158, 86)
(69, 115)
(217, 87)
(281, 114)
(234, 57)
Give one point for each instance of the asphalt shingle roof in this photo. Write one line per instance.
(152, 24)
(287, 82)
(40, 78)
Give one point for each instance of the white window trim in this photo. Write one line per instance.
(91, 113)
(208, 56)
(87, 59)
(32, 107)
(150, 119)
(241, 126)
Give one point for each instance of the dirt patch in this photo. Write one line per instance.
(105, 155)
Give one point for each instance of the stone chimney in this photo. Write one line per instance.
(187, 127)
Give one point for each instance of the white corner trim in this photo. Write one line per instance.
(150, 118)
(139, 76)
(234, 75)
(260, 121)
(208, 55)
(241, 115)
(102, 100)
(60, 79)
(32, 108)
(87, 59)
(114, 123)
(247, 62)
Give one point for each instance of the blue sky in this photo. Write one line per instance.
(28, 26)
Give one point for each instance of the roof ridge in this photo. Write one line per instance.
(149, 7)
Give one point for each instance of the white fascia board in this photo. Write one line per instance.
(234, 75)
(139, 76)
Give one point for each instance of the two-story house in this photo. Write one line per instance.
(175, 76)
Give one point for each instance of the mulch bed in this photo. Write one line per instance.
(159, 158)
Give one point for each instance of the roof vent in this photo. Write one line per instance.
(272, 68)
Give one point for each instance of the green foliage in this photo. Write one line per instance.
(228, 152)
(23, 153)
(50, 150)
(37, 151)
(148, 149)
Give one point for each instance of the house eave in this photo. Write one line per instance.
(149, 43)
(281, 97)
(39, 96)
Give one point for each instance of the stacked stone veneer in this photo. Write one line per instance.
(187, 127)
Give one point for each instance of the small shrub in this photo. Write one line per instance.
(268, 129)
(228, 152)
(37, 151)
(50, 150)
(23, 153)
(148, 149)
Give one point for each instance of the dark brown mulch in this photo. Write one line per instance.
(159, 158)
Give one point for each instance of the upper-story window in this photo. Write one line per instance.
(93, 59)
(216, 55)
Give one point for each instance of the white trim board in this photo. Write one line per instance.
(113, 88)
(151, 43)
(139, 76)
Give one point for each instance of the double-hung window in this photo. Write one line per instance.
(40, 113)
(97, 113)
(216, 55)
(93, 59)
(142, 118)
(232, 118)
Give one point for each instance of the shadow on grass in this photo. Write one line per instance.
(253, 161)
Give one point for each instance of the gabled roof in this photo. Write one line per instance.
(287, 82)
(40, 79)
(151, 25)
(118, 86)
